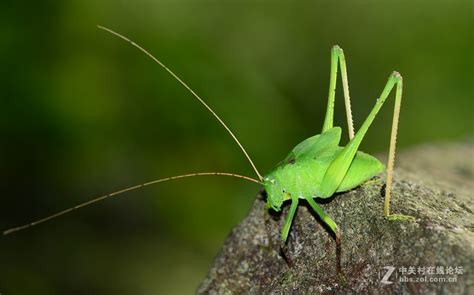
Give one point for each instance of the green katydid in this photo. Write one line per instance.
(316, 168)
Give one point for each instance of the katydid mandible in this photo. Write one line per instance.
(316, 168)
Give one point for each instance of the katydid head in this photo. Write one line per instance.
(275, 192)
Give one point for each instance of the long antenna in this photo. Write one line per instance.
(18, 228)
(190, 90)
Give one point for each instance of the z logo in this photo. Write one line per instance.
(387, 275)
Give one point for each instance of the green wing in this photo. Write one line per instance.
(315, 146)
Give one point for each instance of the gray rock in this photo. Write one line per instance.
(433, 184)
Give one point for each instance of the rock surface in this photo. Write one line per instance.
(433, 183)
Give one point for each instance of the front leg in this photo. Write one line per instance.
(289, 218)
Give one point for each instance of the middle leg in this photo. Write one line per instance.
(333, 226)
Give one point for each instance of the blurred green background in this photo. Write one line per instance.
(83, 113)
